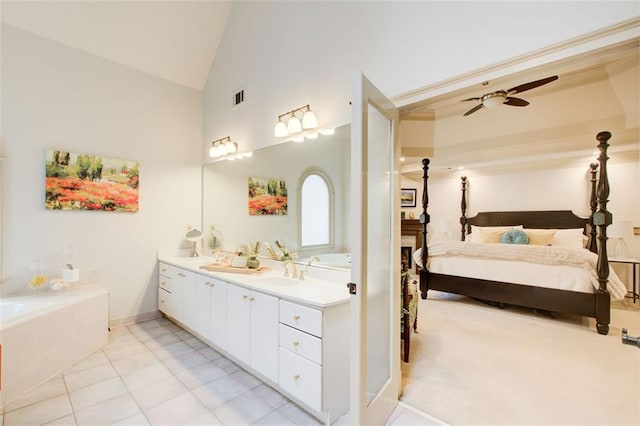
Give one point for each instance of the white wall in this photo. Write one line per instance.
(59, 97)
(288, 54)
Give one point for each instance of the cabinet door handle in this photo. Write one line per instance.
(162, 283)
(164, 269)
(162, 301)
(251, 299)
(245, 297)
(296, 377)
(296, 343)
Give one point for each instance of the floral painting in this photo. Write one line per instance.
(90, 182)
(267, 196)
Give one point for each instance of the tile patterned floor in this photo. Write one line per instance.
(156, 373)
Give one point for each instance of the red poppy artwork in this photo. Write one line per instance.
(267, 196)
(90, 182)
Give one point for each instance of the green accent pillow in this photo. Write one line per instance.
(515, 236)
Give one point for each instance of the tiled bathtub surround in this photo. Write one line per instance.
(50, 332)
(156, 373)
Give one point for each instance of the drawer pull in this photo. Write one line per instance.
(296, 377)
(245, 297)
(162, 301)
(296, 344)
(296, 318)
(251, 299)
(164, 269)
(162, 284)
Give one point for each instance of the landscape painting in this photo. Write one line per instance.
(90, 182)
(267, 196)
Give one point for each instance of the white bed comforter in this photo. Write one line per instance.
(548, 266)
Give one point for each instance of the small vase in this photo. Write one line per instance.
(253, 263)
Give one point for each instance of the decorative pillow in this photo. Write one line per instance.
(515, 236)
(540, 237)
(476, 237)
(571, 238)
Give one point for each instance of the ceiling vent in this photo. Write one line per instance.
(238, 98)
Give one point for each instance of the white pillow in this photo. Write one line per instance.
(571, 238)
(476, 237)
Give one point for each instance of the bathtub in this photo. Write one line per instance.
(46, 332)
(333, 260)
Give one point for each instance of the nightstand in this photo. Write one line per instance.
(635, 263)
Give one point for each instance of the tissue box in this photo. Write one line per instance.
(70, 275)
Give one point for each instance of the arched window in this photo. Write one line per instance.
(316, 210)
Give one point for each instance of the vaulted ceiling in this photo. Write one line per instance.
(174, 40)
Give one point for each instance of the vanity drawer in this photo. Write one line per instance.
(303, 344)
(301, 378)
(301, 317)
(166, 283)
(165, 270)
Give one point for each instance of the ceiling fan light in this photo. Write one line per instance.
(493, 100)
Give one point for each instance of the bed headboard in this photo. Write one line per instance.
(540, 219)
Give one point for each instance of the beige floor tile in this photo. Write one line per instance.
(227, 365)
(274, 419)
(219, 391)
(128, 365)
(185, 409)
(151, 333)
(90, 376)
(49, 389)
(270, 395)
(108, 411)
(135, 420)
(196, 343)
(125, 351)
(297, 415)
(210, 353)
(98, 392)
(172, 350)
(160, 391)
(245, 378)
(146, 376)
(69, 420)
(121, 340)
(144, 325)
(243, 410)
(94, 360)
(39, 413)
(200, 375)
(161, 341)
(185, 362)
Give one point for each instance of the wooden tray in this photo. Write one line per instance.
(233, 269)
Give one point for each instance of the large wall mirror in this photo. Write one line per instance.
(226, 194)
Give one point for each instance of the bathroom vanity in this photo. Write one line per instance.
(293, 334)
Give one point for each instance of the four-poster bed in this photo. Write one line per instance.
(594, 302)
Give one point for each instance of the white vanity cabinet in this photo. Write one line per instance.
(252, 329)
(197, 303)
(169, 294)
(314, 356)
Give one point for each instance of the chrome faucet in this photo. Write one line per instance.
(314, 258)
(294, 270)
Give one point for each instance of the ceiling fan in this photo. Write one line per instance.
(500, 97)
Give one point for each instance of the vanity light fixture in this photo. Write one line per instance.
(294, 124)
(223, 146)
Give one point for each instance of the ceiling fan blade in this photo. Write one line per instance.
(472, 110)
(471, 99)
(532, 85)
(516, 102)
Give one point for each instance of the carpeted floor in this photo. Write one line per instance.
(475, 364)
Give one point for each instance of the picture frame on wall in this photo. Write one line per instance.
(408, 197)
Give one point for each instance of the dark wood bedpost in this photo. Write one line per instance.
(593, 244)
(463, 208)
(603, 218)
(424, 220)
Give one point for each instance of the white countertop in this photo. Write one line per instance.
(312, 291)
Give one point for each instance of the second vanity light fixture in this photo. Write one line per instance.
(223, 146)
(294, 124)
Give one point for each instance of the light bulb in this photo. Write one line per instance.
(294, 125)
(309, 120)
(298, 139)
(212, 151)
(311, 136)
(230, 147)
(328, 132)
(280, 130)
